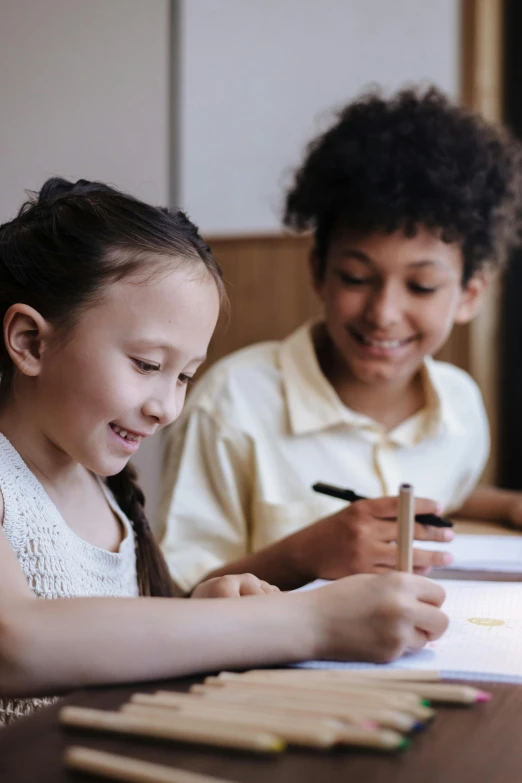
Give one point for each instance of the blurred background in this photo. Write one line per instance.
(208, 104)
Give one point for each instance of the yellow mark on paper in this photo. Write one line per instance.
(489, 621)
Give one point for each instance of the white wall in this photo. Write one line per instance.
(259, 76)
(84, 92)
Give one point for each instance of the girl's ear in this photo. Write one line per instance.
(25, 332)
(471, 297)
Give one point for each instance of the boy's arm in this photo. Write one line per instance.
(491, 504)
(206, 497)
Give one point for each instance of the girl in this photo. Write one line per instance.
(410, 201)
(108, 306)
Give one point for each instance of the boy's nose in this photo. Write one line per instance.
(384, 308)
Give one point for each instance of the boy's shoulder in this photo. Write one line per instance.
(240, 374)
(456, 386)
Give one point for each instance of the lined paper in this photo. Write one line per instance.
(483, 641)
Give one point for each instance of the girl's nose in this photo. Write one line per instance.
(162, 411)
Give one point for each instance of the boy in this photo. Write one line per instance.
(411, 201)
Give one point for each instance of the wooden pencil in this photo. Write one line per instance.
(443, 692)
(406, 521)
(340, 675)
(132, 770)
(361, 714)
(181, 729)
(357, 695)
(412, 675)
(306, 732)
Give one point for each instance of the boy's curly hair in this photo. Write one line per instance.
(416, 159)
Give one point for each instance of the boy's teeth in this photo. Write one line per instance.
(383, 343)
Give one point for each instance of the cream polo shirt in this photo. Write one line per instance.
(264, 424)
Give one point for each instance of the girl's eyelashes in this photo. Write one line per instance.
(146, 367)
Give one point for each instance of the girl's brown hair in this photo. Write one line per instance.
(65, 245)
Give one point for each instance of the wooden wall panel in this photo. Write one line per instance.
(268, 284)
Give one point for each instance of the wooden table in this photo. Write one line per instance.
(478, 745)
(463, 745)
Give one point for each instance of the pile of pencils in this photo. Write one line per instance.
(266, 710)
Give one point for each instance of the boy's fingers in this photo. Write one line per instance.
(388, 507)
(423, 558)
(430, 533)
(386, 530)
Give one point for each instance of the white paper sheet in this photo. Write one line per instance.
(502, 554)
(483, 641)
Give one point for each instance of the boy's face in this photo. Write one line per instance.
(390, 300)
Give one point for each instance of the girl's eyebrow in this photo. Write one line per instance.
(167, 347)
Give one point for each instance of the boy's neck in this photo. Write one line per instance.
(389, 403)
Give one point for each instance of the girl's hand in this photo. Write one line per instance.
(232, 586)
(361, 539)
(377, 618)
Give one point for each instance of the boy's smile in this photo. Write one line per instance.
(390, 301)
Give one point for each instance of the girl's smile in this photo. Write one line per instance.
(130, 441)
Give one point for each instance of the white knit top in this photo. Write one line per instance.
(56, 561)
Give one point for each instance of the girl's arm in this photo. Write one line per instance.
(50, 645)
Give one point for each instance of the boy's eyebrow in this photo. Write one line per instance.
(349, 253)
(427, 262)
(360, 256)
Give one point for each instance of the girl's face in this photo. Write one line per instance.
(122, 374)
(390, 300)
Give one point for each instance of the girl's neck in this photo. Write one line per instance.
(52, 467)
(388, 403)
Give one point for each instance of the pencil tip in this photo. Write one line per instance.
(403, 744)
(418, 726)
(426, 702)
(483, 696)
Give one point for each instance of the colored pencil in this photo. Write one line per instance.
(132, 770)
(181, 729)
(393, 719)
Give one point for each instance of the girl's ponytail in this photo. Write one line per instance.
(154, 578)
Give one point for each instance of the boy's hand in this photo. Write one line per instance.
(514, 515)
(361, 539)
(233, 586)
